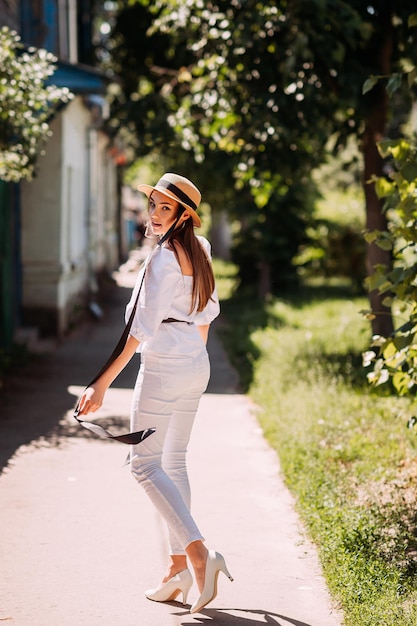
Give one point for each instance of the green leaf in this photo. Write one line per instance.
(412, 20)
(389, 350)
(385, 286)
(398, 148)
(409, 172)
(375, 281)
(394, 83)
(402, 382)
(371, 236)
(384, 243)
(412, 77)
(369, 84)
(403, 342)
(384, 188)
(384, 147)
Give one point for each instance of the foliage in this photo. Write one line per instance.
(336, 246)
(260, 92)
(253, 92)
(333, 250)
(260, 87)
(350, 465)
(26, 105)
(395, 357)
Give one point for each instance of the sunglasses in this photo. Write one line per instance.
(129, 438)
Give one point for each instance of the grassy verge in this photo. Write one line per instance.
(345, 451)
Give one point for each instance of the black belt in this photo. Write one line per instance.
(169, 320)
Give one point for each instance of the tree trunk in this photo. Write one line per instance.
(375, 220)
(264, 280)
(375, 126)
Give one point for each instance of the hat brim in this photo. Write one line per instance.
(148, 189)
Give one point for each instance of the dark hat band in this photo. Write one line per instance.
(183, 197)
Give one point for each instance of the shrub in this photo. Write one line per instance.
(26, 105)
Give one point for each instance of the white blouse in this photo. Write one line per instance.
(166, 293)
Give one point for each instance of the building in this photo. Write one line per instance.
(60, 231)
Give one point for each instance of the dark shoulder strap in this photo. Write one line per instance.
(129, 438)
(122, 341)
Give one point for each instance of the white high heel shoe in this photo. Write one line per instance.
(215, 564)
(180, 583)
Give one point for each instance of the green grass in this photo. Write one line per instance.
(345, 450)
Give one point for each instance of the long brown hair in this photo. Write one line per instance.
(203, 277)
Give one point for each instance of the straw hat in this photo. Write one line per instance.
(180, 189)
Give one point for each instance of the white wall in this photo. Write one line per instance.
(109, 203)
(41, 224)
(68, 220)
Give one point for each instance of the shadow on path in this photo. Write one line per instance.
(36, 399)
(235, 617)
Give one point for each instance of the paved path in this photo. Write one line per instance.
(79, 541)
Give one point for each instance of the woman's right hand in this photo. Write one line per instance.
(91, 400)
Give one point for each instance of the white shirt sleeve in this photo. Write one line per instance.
(211, 311)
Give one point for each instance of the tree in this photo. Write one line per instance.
(265, 87)
(26, 105)
(174, 101)
(394, 355)
(254, 94)
(293, 74)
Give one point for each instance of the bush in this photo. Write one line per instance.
(26, 105)
(344, 449)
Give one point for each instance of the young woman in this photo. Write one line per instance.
(177, 303)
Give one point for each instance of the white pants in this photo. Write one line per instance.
(167, 393)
